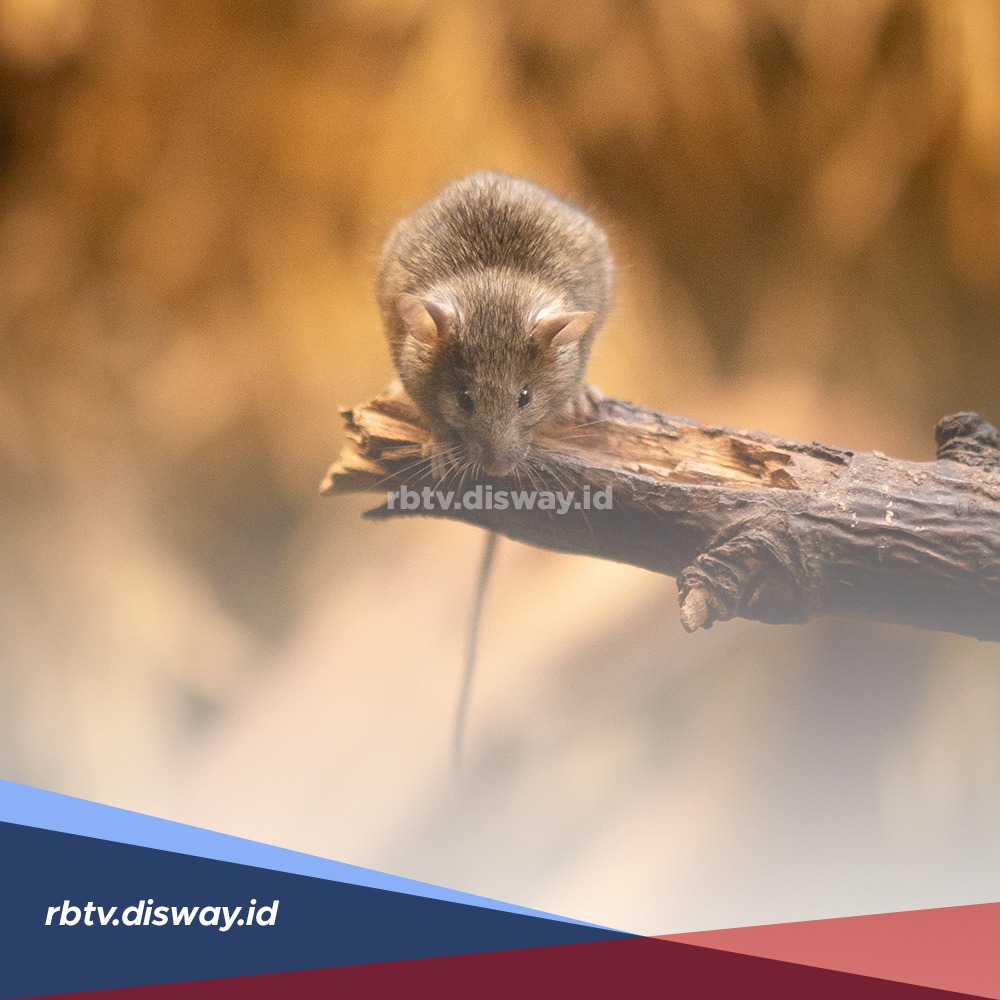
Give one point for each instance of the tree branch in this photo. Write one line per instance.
(751, 525)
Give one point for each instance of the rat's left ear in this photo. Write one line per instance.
(561, 328)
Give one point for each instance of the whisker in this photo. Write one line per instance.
(405, 470)
(466, 469)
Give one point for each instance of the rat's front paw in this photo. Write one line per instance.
(582, 407)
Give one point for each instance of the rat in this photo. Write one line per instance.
(491, 294)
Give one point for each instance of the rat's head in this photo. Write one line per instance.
(491, 357)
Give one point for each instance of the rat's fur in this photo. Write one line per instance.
(491, 286)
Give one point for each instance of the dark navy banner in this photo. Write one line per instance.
(80, 913)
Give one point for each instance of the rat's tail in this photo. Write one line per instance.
(471, 647)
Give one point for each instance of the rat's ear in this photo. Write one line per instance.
(426, 320)
(560, 328)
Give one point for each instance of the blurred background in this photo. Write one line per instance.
(804, 201)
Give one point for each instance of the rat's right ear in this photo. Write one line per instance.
(426, 320)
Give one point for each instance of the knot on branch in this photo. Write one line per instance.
(967, 438)
(756, 573)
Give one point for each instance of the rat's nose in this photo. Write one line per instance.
(497, 469)
(500, 459)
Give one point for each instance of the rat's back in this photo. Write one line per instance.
(488, 221)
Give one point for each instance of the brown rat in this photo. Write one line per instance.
(491, 294)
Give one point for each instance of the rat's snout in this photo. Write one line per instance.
(501, 456)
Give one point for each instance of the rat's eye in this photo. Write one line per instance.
(465, 401)
(524, 396)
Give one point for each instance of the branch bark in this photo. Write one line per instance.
(751, 525)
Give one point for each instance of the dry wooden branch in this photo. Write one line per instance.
(751, 526)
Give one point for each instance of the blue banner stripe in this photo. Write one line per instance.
(36, 807)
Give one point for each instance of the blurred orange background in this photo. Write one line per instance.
(804, 202)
